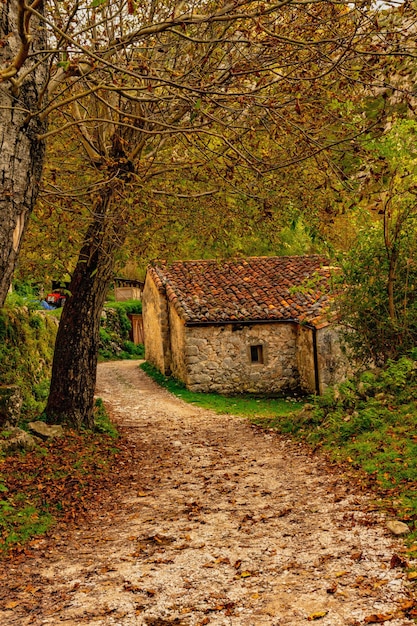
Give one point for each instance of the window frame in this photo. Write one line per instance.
(257, 349)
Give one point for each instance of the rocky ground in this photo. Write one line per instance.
(216, 523)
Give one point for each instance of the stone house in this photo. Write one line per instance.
(254, 325)
(127, 289)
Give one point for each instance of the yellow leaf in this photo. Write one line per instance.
(412, 575)
(245, 574)
(317, 615)
(11, 605)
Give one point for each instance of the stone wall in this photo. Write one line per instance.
(156, 328)
(218, 358)
(334, 366)
(27, 341)
(305, 359)
(178, 346)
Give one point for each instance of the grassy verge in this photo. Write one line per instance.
(57, 481)
(243, 405)
(369, 424)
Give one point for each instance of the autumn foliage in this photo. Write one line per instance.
(57, 482)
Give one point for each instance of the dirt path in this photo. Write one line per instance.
(219, 524)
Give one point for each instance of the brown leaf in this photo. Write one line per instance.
(408, 604)
(398, 561)
(132, 588)
(378, 618)
(224, 560)
(332, 589)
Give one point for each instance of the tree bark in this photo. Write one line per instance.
(71, 398)
(21, 152)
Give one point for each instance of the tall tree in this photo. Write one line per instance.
(87, 37)
(379, 301)
(23, 73)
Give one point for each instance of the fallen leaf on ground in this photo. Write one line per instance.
(406, 605)
(11, 605)
(317, 615)
(378, 618)
(398, 561)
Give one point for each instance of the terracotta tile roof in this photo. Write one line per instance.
(252, 289)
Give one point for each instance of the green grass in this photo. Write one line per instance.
(102, 422)
(243, 405)
(115, 330)
(18, 524)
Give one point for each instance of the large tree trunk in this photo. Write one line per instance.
(21, 152)
(71, 398)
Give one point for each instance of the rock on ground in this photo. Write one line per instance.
(218, 524)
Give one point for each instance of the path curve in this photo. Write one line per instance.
(220, 524)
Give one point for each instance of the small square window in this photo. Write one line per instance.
(256, 354)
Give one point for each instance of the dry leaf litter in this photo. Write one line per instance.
(217, 523)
